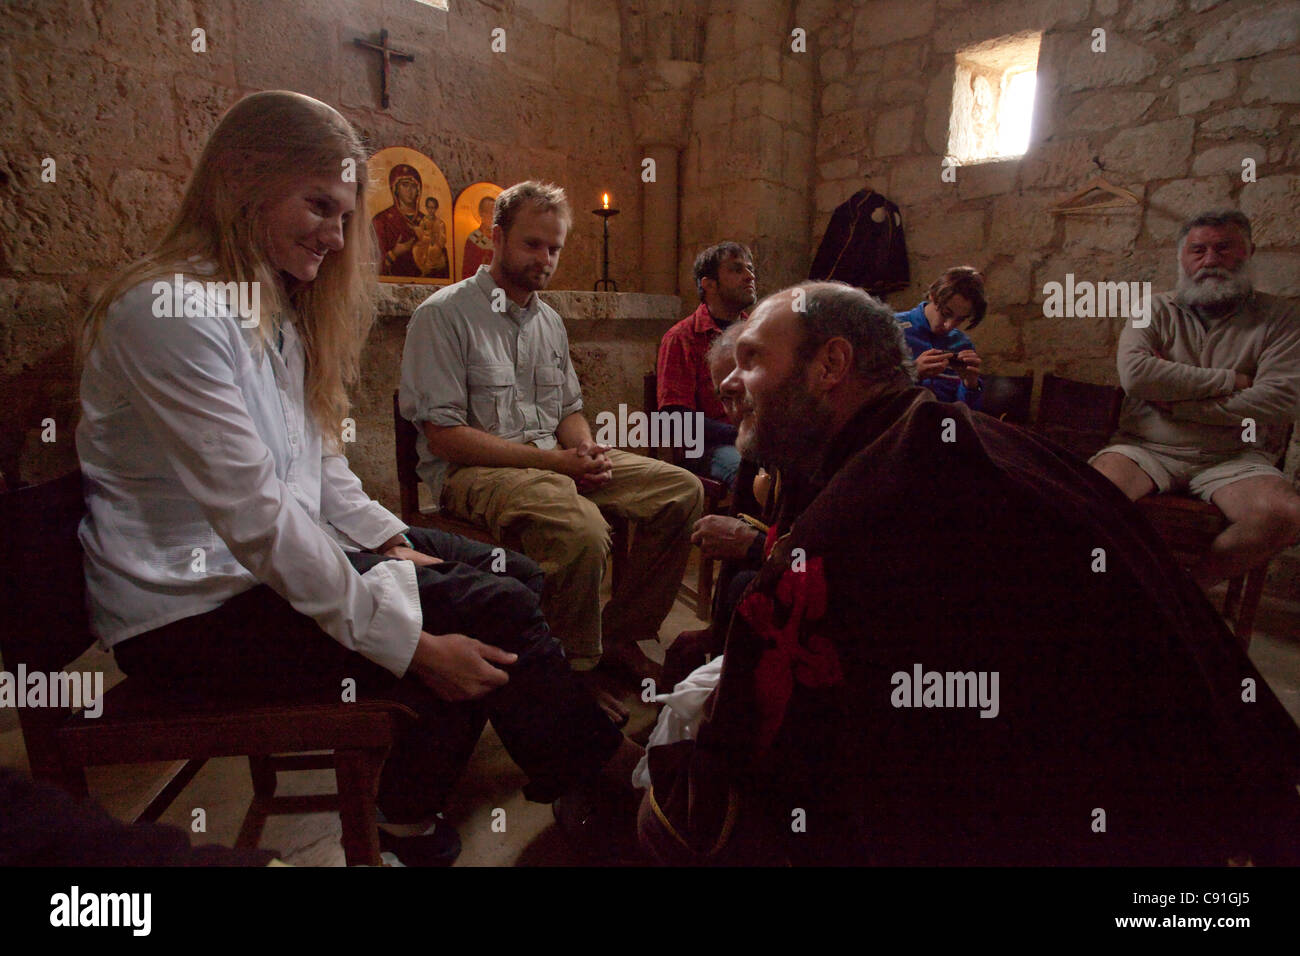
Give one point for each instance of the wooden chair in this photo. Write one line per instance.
(1189, 526)
(1079, 416)
(1082, 417)
(42, 602)
(408, 484)
(1006, 397)
(717, 500)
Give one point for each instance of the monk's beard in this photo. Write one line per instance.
(793, 432)
(1215, 290)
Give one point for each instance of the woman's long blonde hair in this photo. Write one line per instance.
(265, 143)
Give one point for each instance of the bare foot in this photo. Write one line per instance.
(611, 705)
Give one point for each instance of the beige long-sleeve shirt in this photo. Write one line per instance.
(1178, 374)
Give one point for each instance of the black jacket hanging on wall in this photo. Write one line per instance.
(864, 245)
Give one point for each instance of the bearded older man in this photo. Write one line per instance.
(1212, 383)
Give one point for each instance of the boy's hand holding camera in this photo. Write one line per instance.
(935, 362)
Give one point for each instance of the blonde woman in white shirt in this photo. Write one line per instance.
(229, 549)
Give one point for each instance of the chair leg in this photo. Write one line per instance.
(1254, 589)
(1231, 599)
(357, 772)
(619, 546)
(704, 590)
(264, 784)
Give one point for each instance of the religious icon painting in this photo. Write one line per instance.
(409, 203)
(474, 209)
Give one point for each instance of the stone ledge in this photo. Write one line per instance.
(398, 300)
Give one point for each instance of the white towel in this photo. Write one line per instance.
(680, 718)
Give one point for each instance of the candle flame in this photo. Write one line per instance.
(604, 198)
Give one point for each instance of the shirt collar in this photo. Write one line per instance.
(519, 313)
(703, 322)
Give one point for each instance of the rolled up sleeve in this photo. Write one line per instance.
(182, 383)
(571, 394)
(434, 387)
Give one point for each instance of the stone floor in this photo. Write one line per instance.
(222, 789)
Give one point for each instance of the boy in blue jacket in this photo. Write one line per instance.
(946, 362)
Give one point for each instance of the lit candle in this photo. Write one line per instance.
(604, 199)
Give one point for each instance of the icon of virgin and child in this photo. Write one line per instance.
(412, 240)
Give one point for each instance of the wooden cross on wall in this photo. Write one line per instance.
(389, 54)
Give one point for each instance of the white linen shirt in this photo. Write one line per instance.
(204, 476)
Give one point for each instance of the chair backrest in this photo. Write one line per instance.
(1279, 459)
(42, 580)
(1080, 416)
(1007, 397)
(1082, 405)
(43, 620)
(408, 479)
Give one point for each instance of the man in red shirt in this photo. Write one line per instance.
(725, 278)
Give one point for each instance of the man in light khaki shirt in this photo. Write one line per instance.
(487, 379)
(1212, 383)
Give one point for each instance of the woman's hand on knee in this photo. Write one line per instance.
(456, 667)
(403, 553)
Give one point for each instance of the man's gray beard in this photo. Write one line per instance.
(1215, 294)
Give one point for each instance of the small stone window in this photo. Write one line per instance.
(436, 4)
(993, 99)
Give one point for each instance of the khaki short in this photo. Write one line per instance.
(1196, 473)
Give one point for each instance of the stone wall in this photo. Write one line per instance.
(113, 92)
(1184, 92)
(748, 164)
(1169, 112)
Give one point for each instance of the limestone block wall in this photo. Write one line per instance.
(613, 339)
(1184, 92)
(114, 93)
(747, 168)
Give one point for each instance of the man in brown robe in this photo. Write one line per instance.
(964, 647)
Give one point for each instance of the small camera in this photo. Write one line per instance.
(954, 363)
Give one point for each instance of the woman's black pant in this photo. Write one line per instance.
(256, 647)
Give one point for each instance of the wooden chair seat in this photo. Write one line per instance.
(1189, 526)
(137, 726)
(42, 600)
